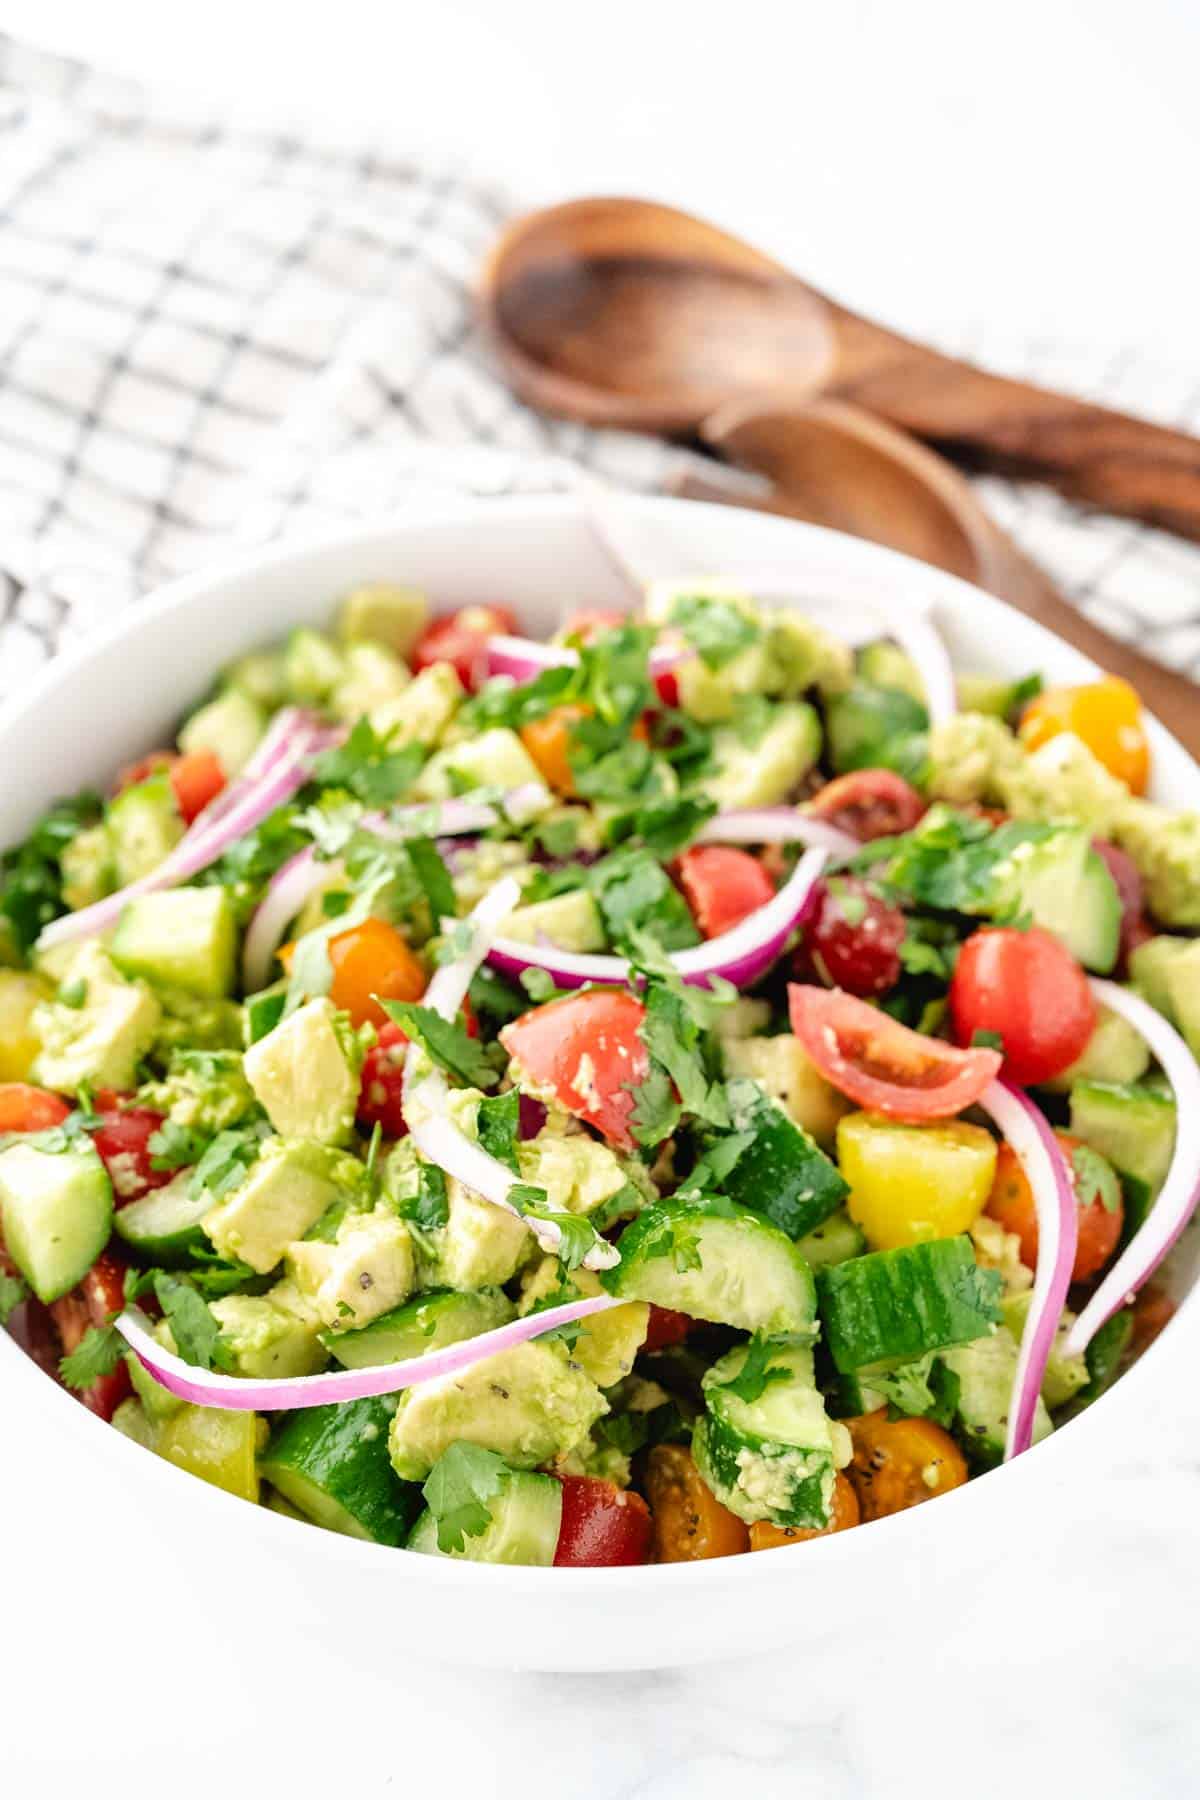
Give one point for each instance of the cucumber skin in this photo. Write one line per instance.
(53, 1276)
(409, 1339)
(170, 1247)
(529, 1525)
(715, 1447)
(890, 1307)
(645, 1247)
(342, 1451)
(783, 1175)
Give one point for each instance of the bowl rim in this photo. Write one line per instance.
(185, 591)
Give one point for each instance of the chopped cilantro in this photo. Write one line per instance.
(757, 1371)
(225, 1161)
(429, 1208)
(12, 1292)
(197, 1335)
(175, 1146)
(498, 1124)
(446, 1041)
(576, 1235)
(460, 1484)
(97, 1354)
(31, 873)
(986, 1040)
(634, 892)
(1095, 1179)
(433, 876)
(367, 766)
(495, 1000)
(663, 826)
(716, 629)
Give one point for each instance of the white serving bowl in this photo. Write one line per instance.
(123, 691)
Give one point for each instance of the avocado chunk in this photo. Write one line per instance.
(230, 726)
(1114, 1052)
(89, 871)
(260, 676)
(367, 1270)
(1167, 969)
(422, 712)
(273, 1333)
(21, 993)
(312, 666)
(144, 825)
(102, 1041)
(784, 1069)
(185, 938)
(608, 1342)
(969, 756)
(572, 921)
(305, 1074)
(771, 769)
(381, 612)
(372, 676)
(206, 1089)
(496, 758)
(579, 1174)
(527, 1404)
(56, 1210)
(1062, 779)
(1165, 846)
(480, 1245)
(283, 1194)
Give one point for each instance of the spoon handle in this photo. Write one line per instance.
(1091, 453)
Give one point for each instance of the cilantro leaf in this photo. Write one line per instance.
(367, 766)
(663, 826)
(97, 1354)
(634, 892)
(31, 873)
(1095, 1178)
(460, 1484)
(577, 1235)
(175, 1146)
(757, 1371)
(12, 1291)
(433, 876)
(197, 1335)
(925, 1389)
(498, 1123)
(224, 1163)
(986, 1040)
(429, 1208)
(445, 1040)
(716, 629)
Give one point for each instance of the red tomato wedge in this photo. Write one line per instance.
(380, 1099)
(870, 803)
(603, 1526)
(459, 639)
(122, 1140)
(882, 1064)
(26, 1108)
(665, 1328)
(722, 886)
(99, 1297)
(587, 1049)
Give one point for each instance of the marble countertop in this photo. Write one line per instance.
(1020, 162)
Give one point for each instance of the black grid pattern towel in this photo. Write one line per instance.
(211, 334)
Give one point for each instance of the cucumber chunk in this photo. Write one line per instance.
(56, 1210)
(332, 1463)
(890, 1307)
(836, 1240)
(526, 1516)
(985, 1371)
(774, 1456)
(184, 938)
(779, 1171)
(144, 825)
(738, 1271)
(218, 1445)
(164, 1226)
(418, 1326)
(1132, 1125)
(1065, 1375)
(1066, 888)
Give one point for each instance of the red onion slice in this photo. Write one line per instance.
(1180, 1191)
(523, 658)
(239, 1393)
(1045, 1166)
(739, 956)
(776, 825)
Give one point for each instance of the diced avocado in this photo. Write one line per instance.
(1114, 1052)
(144, 825)
(913, 1183)
(1148, 966)
(742, 1018)
(774, 1456)
(763, 773)
(835, 1240)
(876, 727)
(1133, 1126)
(56, 1210)
(526, 1404)
(372, 676)
(102, 1041)
(771, 1164)
(423, 711)
(1000, 1250)
(273, 1333)
(986, 1371)
(884, 664)
(191, 1022)
(312, 666)
(1062, 779)
(261, 677)
(132, 1421)
(185, 937)
(969, 755)
(305, 1074)
(496, 758)
(158, 1401)
(426, 1323)
(526, 1518)
(202, 1088)
(608, 1342)
(892, 1306)
(368, 1269)
(579, 1174)
(283, 1194)
(733, 1270)
(480, 1245)
(21, 993)
(571, 920)
(1065, 887)
(1165, 845)
(332, 1463)
(89, 870)
(1065, 1375)
(803, 655)
(230, 726)
(218, 1445)
(784, 1068)
(381, 612)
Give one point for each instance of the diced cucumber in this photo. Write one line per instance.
(1150, 966)
(986, 1370)
(230, 726)
(427, 1323)
(526, 1517)
(332, 1463)
(158, 1402)
(144, 825)
(572, 921)
(994, 694)
(1065, 887)
(1114, 1052)
(56, 1210)
(1134, 1126)
(312, 666)
(892, 1306)
(779, 1171)
(872, 727)
(1065, 1375)
(1183, 989)
(131, 1420)
(261, 677)
(383, 613)
(835, 1240)
(738, 1271)
(184, 938)
(164, 1226)
(219, 1446)
(771, 1457)
(1104, 1356)
(496, 758)
(913, 1183)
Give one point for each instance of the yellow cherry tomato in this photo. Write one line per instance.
(911, 1183)
(1106, 714)
(19, 1043)
(900, 1463)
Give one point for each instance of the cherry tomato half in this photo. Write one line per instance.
(196, 779)
(882, 1064)
(1011, 1204)
(852, 937)
(723, 886)
(690, 1524)
(1027, 988)
(869, 803)
(122, 1140)
(900, 1463)
(665, 1328)
(603, 1526)
(1106, 714)
(586, 1047)
(379, 1099)
(373, 959)
(460, 639)
(26, 1108)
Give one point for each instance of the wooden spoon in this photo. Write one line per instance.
(833, 465)
(624, 312)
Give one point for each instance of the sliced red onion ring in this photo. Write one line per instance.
(238, 1393)
(426, 1096)
(522, 658)
(1180, 1191)
(305, 873)
(739, 956)
(776, 825)
(1045, 1166)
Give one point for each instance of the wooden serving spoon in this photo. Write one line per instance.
(833, 465)
(624, 312)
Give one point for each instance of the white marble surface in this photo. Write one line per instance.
(931, 162)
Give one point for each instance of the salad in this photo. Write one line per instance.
(684, 1088)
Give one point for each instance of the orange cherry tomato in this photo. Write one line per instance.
(26, 1108)
(690, 1524)
(901, 1462)
(592, 623)
(587, 1047)
(722, 886)
(1106, 714)
(1011, 1204)
(548, 741)
(843, 1514)
(370, 959)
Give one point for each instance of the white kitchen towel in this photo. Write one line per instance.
(212, 334)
